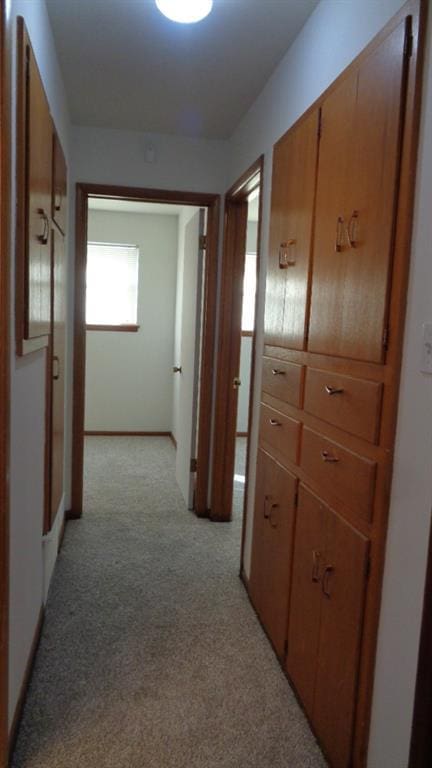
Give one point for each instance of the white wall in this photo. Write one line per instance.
(129, 375)
(334, 34)
(29, 559)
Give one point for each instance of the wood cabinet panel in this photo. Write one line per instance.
(280, 434)
(283, 380)
(272, 551)
(38, 195)
(59, 186)
(339, 472)
(305, 605)
(351, 404)
(356, 203)
(293, 190)
(343, 584)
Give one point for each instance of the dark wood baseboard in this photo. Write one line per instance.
(25, 683)
(113, 433)
(173, 440)
(72, 514)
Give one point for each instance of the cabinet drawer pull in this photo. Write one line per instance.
(43, 238)
(352, 229)
(325, 584)
(266, 512)
(56, 367)
(333, 390)
(326, 456)
(275, 423)
(278, 372)
(339, 234)
(316, 557)
(272, 521)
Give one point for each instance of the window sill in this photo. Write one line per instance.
(115, 328)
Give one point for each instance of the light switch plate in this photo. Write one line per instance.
(426, 361)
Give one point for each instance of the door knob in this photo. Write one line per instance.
(177, 369)
(236, 382)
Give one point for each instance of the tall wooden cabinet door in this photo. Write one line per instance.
(293, 192)
(58, 371)
(305, 605)
(59, 186)
(272, 548)
(343, 584)
(38, 204)
(356, 200)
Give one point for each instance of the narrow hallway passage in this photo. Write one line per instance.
(151, 655)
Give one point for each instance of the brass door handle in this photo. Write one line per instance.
(333, 390)
(275, 423)
(278, 372)
(325, 586)
(177, 369)
(316, 557)
(236, 382)
(328, 457)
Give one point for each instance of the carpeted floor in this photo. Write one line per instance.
(151, 656)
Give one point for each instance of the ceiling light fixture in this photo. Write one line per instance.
(185, 11)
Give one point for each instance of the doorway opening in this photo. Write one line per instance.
(144, 325)
(236, 346)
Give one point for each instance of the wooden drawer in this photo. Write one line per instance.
(283, 380)
(348, 403)
(339, 472)
(279, 434)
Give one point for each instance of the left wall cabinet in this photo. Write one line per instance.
(41, 273)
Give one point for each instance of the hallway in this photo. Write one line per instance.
(151, 656)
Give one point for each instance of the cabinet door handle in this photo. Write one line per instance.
(339, 233)
(326, 456)
(351, 229)
(275, 423)
(266, 512)
(58, 196)
(285, 260)
(325, 583)
(278, 372)
(333, 390)
(56, 367)
(43, 238)
(316, 557)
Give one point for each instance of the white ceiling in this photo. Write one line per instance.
(127, 66)
(133, 206)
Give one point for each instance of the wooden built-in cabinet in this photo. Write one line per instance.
(41, 266)
(337, 275)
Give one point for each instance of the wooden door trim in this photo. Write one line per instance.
(5, 156)
(224, 425)
(211, 202)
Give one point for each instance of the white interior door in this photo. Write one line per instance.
(190, 325)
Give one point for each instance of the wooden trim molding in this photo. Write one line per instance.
(120, 433)
(211, 202)
(5, 206)
(115, 328)
(230, 334)
(25, 683)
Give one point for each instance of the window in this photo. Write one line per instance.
(249, 290)
(112, 284)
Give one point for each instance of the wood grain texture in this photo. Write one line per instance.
(283, 380)
(279, 434)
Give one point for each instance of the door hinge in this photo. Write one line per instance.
(319, 131)
(385, 340)
(203, 242)
(193, 465)
(408, 46)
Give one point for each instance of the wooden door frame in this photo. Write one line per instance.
(203, 200)
(229, 337)
(4, 381)
(421, 736)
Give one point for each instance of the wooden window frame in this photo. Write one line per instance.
(196, 199)
(229, 334)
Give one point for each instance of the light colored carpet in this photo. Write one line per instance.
(151, 655)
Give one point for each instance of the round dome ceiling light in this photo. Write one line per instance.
(185, 11)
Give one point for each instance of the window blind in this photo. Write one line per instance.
(112, 284)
